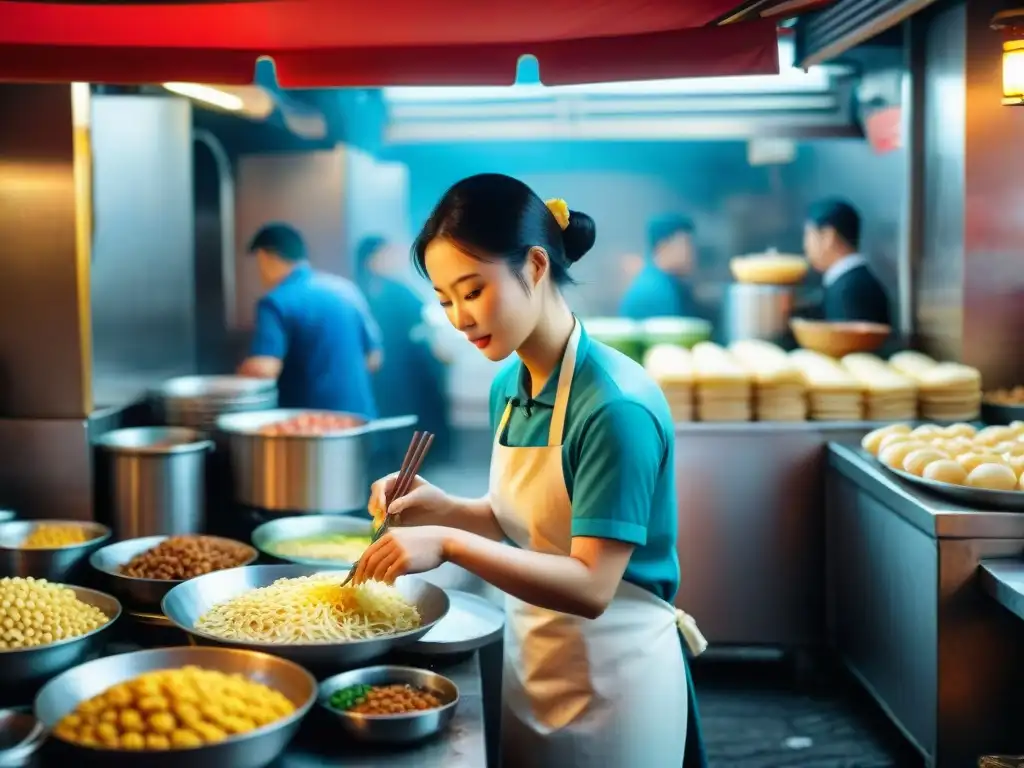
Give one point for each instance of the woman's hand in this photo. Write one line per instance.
(401, 551)
(421, 498)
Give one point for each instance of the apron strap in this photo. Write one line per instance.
(504, 420)
(556, 433)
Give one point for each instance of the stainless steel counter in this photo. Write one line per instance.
(751, 526)
(907, 617)
(1003, 580)
(934, 515)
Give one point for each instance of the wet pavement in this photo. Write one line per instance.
(756, 716)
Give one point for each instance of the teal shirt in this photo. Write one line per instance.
(618, 455)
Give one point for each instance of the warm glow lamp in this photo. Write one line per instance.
(1010, 22)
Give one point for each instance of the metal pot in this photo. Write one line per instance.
(297, 473)
(158, 480)
(757, 311)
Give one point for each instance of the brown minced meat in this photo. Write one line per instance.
(185, 557)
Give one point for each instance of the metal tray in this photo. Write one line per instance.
(973, 498)
(471, 623)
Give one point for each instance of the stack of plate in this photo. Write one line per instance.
(672, 368)
(723, 385)
(946, 391)
(832, 392)
(197, 401)
(780, 393)
(888, 394)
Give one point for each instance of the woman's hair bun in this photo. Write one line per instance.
(579, 236)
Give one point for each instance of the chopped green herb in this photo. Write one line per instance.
(346, 698)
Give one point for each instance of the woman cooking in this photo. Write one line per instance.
(579, 525)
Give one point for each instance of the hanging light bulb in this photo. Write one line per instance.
(1010, 22)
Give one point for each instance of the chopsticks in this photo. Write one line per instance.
(414, 455)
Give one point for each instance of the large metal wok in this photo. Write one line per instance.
(300, 473)
(184, 604)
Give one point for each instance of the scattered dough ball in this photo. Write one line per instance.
(972, 460)
(1016, 463)
(1011, 447)
(872, 441)
(916, 461)
(955, 446)
(894, 439)
(893, 455)
(945, 471)
(992, 477)
(960, 429)
(994, 435)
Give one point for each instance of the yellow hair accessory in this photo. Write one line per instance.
(560, 210)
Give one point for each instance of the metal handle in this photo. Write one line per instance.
(386, 425)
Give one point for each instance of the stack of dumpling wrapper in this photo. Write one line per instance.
(723, 386)
(833, 393)
(780, 393)
(946, 391)
(673, 370)
(888, 394)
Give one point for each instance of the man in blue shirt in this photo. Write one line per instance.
(662, 288)
(314, 332)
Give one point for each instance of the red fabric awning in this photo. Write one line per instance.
(390, 42)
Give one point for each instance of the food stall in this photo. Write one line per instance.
(768, 455)
(154, 702)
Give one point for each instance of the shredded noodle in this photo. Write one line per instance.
(311, 609)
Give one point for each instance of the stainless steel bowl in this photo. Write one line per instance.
(33, 666)
(248, 750)
(136, 593)
(21, 735)
(393, 729)
(188, 601)
(60, 564)
(285, 528)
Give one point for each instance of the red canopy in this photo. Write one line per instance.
(387, 42)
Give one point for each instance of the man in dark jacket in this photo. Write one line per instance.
(831, 244)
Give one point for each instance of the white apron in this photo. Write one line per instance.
(579, 693)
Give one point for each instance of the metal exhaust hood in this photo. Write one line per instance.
(794, 104)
